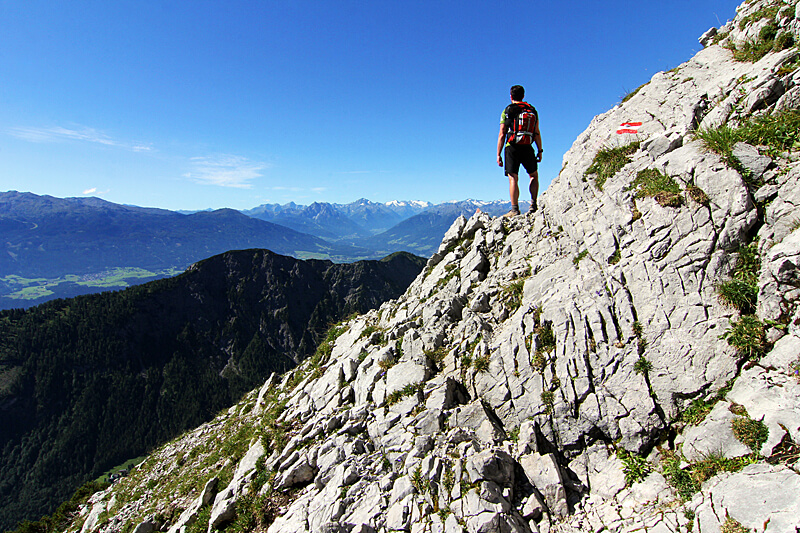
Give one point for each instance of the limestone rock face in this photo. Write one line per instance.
(572, 370)
(760, 497)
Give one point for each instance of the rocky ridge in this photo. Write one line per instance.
(547, 373)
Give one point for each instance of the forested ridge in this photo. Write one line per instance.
(88, 382)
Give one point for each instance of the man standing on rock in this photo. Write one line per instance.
(519, 130)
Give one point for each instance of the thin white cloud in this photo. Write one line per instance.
(225, 171)
(77, 133)
(95, 192)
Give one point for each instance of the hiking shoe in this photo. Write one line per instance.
(514, 212)
(533, 208)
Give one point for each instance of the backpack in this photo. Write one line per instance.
(524, 124)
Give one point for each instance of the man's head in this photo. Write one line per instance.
(517, 93)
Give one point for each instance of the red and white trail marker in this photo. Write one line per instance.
(629, 127)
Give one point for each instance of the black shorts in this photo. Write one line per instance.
(523, 154)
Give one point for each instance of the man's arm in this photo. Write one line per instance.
(501, 141)
(537, 138)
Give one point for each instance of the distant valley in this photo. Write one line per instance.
(63, 247)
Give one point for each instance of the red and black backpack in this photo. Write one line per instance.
(523, 118)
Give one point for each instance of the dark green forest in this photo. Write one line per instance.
(89, 382)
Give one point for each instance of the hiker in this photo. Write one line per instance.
(519, 130)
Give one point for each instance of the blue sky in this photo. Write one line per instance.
(229, 103)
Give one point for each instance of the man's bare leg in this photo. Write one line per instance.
(534, 189)
(513, 192)
(513, 189)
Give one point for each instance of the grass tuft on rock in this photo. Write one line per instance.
(770, 39)
(688, 480)
(751, 433)
(653, 183)
(778, 133)
(609, 161)
(733, 526)
(697, 194)
(738, 294)
(635, 467)
(512, 295)
(741, 291)
(548, 400)
(408, 390)
(642, 366)
(578, 258)
(747, 335)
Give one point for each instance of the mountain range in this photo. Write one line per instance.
(52, 247)
(338, 221)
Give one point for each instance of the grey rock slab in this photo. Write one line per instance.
(327, 460)
(653, 489)
(477, 417)
(429, 422)
(497, 523)
(732, 209)
(605, 472)
(327, 506)
(402, 487)
(146, 526)
(444, 396)
(270, 384)
(783, 210)
(327, 387)
(766, 192)
(751, 159)
(527, 439)
(209, 491)
(773, 397)
(454, 232)
(713, 435)
(660, 145)
(94, 517)
(299, 472)
(707, 37)
(398, 517)
(789, 100)
(761, 497)
(222, 512)
(363, 528)
(248, 464)
(491, 465)
(780, 272)
(406, 406)
(295, 520)
(403, 374)
(487, 497)
(475, 261)
(367, 508)
(544, 473)
(189, 516)
(785, 352)
(533, 508)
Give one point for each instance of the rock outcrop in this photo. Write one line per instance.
(576, 370)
